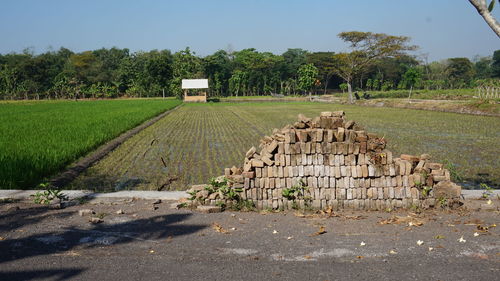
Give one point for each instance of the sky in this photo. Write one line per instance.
(441, 28)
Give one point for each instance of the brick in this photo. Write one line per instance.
(411, 158)
(433, 166)
(302, 136)
(250, 152)
(209, 209)
(257, 163)
(447, 189)
(249, 175)
(340, 134)
(408, 167)
(363, 147)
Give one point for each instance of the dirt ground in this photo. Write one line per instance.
(139, 239)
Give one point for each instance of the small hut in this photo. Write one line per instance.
(193, 90)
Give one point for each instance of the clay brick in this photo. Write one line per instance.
(350, 148)
(408, 168)
(329, 136)
(411, 158)
(356, 148)
(302, 136)
(290, 137)
(281, 147)
(363, 147)
(282, 160)
(250, 152)
(339, 136)
(267, 161)
(296, 148)
(249, 175)
(434, 166)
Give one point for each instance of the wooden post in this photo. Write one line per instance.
(163, 93)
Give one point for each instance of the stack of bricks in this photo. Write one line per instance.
(342, 167)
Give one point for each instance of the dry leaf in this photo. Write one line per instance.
(411, 221)
(359, 257)
(307, 257)
(439, 237)
(354, 217)
(320, 231)
(299, 214)
(217, 227)
(328, 211)
(392, 252)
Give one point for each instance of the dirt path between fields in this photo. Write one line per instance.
(453, 106)
(75, 169)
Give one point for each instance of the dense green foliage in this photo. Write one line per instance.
(108, 73)
(40, 138)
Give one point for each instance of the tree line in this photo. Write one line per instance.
(376, 62)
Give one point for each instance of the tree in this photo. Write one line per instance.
(495, 65)
(485, 12)
(324, 62)
(483, 68)
(218, 68)
(411, 77)
(238, 82)
(185, 66)
(366, 48)
(307, 76)
(293, 59)
(460, 71)
(262, 70)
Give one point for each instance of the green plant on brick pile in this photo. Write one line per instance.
(487, 190)
(221, 188)
(46, 197)
(443, 202)
(426, 191)
(221, 185)
(455, 174)
(297, 192)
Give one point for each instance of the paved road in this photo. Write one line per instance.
(168, 244)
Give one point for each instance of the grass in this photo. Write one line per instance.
(446, 94)
(197, 141)
(39, 138)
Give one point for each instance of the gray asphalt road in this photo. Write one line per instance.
(167, 244)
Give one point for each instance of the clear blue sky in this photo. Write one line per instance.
(442, 28)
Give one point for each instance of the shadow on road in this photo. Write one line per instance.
(55, 274)
(82, 237)
(14, 219)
